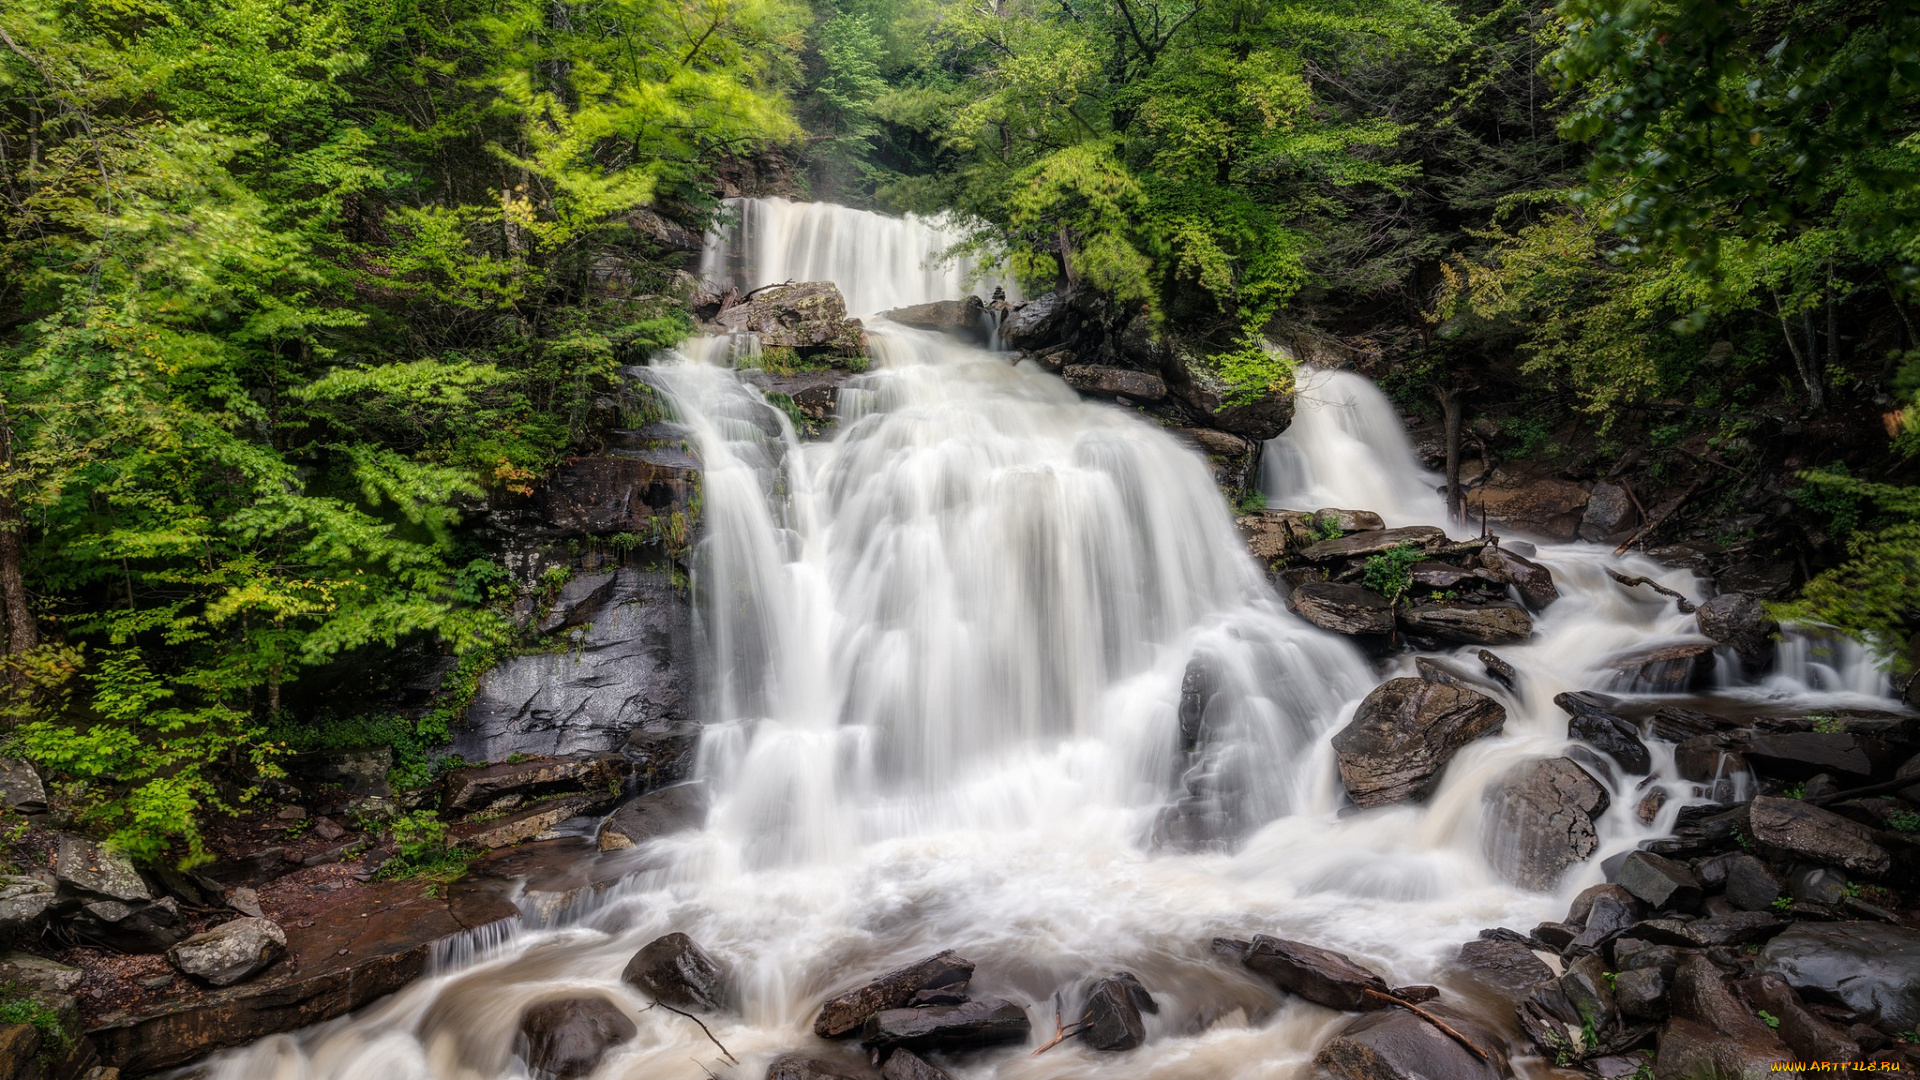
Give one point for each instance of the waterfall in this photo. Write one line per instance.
(956, 651)
(879, 263)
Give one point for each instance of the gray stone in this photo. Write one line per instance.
(84, 866)
(1582, 906)
(655, 814)
(1498, 623)
(1609, 511)
(1791, 829)
(1498, 668)
(23, 902)
(20, 787)
(1397, 1045)
(1586, 988)
(471, 790)
(1592, 721)
(231, 951)
(1113, 1013)
(843, 1014)
(1871, 968)
(802, 1067)
(904, 1064)
(1662, 883)
(1508, 968)
(38, 974)
(1343, 609)
(1320, 975)
(1750, 885)
(1539, 820)
(1532, 581)
(1036, 323)
(1817, 885)
(674, 969)
(1403, 735)
(1641, 994)
(1103, 381)
(810, 315)
(1740, 621)
(1373, 542)
(1700, 993)
(987, 1022)
(633, 668)
(662, 755)
(1808, 1036)
(565, 1039)
(965, 319)
(1667, 669)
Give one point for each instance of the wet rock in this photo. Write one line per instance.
(1343, 609)
(1113, 1011)
(20, 788)
(1373, 542)
(84, 866)
(1556, 936)
(134, 928)
(1662, 883)
(1532, 581)
(1538, 506)
(1750, 885)
(1700, 993)
(38, 974)
(810, 315)
(1434, 669)
(23, 903)
(632, 669)
(1587, 990)
(1791, 829)
(1037, 323)
(907, 1065)
(1872, 968)
(1397, 1045)
(1674, 724)
(1498, 668)
(1637, 954)
(1808, 1036)
(1580, 912)
(1739, 928)
(1669, 669)
(1349, 521)
(1506, 967)
(1539, 820)
(536, 822)
(1610, 511)
(1607, 919)
(1740, 621)
(1439, 575)
(470, 790)
(843, 1014)
(802, 1067)
(675, 970)
(955, 994)
(1320, 975)
(1817, 885)
(565, 1039)
(1705, 758)
(1403, 735)
(1591, 720)
(1271, 534)
(655, 814)
(1496, 623)
(987, 1022)
(964, 319)
(1114, 382)
(579, 601)
(1800, 754)
(1233, 459)
(1691, 1049)
(663, 755)
(1641, 994)
(231, 951)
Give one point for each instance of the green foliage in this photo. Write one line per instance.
(1390, 573)
(1904, 821)
(1783, 904)
(421, 850)
(1875, 594)
(1326, 527)
(1250, 503)
(1768, 1018)
(17, 1007)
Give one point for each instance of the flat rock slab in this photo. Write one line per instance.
(1498, 623)
(655, 814)
(1872, 968)
(843, 1015)
(1397, 1045)
(1792, 829)
(1801, 754)
(1343, 609)
(1403, 735)
(1322, 976)
(534, 822)
(1373, 542)
(987, 1022)
(469, 790)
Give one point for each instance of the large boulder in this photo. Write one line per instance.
(565, 1039)
(1541, 506)
(904, 1064)
(1114, 382)
(675, 970)
(808, 315)
(39, 975)
(1397, 1045)
(987, 1022)
(1403, 735)
(1592, 721)
(1373, 542)
(632, 668)
(1871, 968)
(1665, 669)
(85, 867)
(1740, 621)
(1810, 1037)
(1804, 754)
(843, 1014)
(1702, 995)
(1793, 829)
(23, 903)
(965, 319)
(505, 786)
(1610, 511)
(1497, 623)
(1540, 820)
(1322, 976)
(655, 814)
(20, 788)
(137, 927)
(1343, 609)
(1688, 1049)
(1532, 581)
(231, 951)
(1037, 323)
(1506, 967)
(663, 754)
(1661, 882)
(1234, 459)
(1113, 1013)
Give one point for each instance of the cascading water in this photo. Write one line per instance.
(950, 648)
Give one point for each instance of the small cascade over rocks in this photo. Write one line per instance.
(992, 671)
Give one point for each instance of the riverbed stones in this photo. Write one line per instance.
(1403, 735)
(1497, 623)
(566, 1039)
(1661, 882)
(1591, 720)
(1872, 968)
(1397, 1045)
(1321, 976)
(1665, 669)
(1343, 609)
(676, 971)
(653, 815)
(1539, 820)
(231, 951)
(1792, 829)
(1113, 1013)
(986, 1022)
(843, 1014)
(1532, 581)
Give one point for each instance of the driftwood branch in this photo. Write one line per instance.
(1685, 605)
(724, 1052)
(1658, 519)
(1063, 1031)
(1431, 1019)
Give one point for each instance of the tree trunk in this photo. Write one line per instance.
(1805, 361)
(1450, 408)
(23, 636)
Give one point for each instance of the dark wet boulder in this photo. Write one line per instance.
(655, 814)
(1111, 382)
(1343, 609)
(1740, 621)
(1701, 994)
(1588, 990)
(1750, 885)
(1545, 507)
(1532, 581)
(843, 1014)
(1373, 542)
(1667, 669)
(1610, 511)
(1737, 928)
(231, 951)
(803, 1067)
(987, 1022)
(1037, 323)
(1403, 735)
(1810, 1037)
(1539, 820)
(1871, 968)
(809, 315)
(1435, 669)
(565, 1039)
(1497, 623)
(1661, 882)
(904, 1064)
(1234, 459)
(1508, 968)
(1499, 669)
(505, 786)
(662, 755)
(1792, 829)
(1800, 755)
(1113, 1013)
(1605, 920)
(1397, 1045)
(1641, 994)
(1688, 1048)
(1322, 976)
(964, 319)
(1591, 721)
(675, 970)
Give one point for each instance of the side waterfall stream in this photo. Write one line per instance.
(948, 648)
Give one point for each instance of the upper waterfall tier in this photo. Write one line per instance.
(879, 262)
